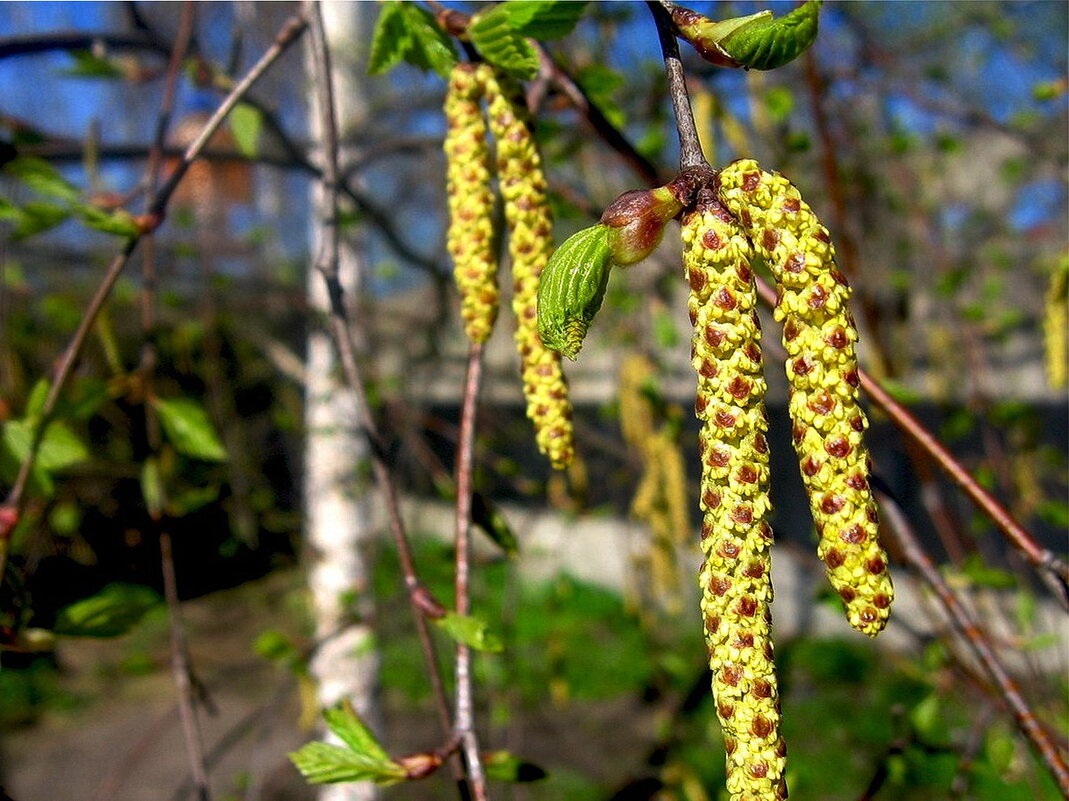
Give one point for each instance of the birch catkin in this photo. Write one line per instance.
(736, 538)
(819, 335)
(523, 188)
(470, 239)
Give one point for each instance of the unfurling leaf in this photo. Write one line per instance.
(344, 722)
(758, 41)
(113, 611)
(470, 631)
(501, 45)
(572, 289)
(189, 429)
(322, 763)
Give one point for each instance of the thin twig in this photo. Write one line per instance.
(969, 629)
(465, 711)
(690, 148)
(12, 508)
(422, 602)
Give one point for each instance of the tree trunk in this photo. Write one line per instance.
(337, 500)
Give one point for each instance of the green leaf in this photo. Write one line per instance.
(430, 47)
(487, 516)
(470, 631)
(983, 575)
(502, 46)
(322, 763)
(152, 487)
(246, 122)
(182, 503)
(543, 19)
(60, 447)
(87, 65)
(118, 222)
(274, 645)
(113, 611)
(572, 289)
(344, 722)
(37, 217)
(40, 176)
(768, 44)
(189, 429)
(503, 766)
(390, 40)
(36, 401)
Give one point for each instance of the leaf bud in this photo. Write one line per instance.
(636, 221)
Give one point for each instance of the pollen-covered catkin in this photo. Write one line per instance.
(523, 188)
(1056, 325)
(736, 537)
(820, 335)
(470, 239)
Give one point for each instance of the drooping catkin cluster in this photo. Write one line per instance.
(820, 335)
(523, 188)
(1056, 325)
(470, 238)
(736, 537)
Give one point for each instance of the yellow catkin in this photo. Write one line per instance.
(470, 239)
(736, 537)
(1056, 325)
(819, 335)
(523, 188)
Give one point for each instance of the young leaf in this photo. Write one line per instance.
(430, 47)
(113, 611)
(343, 721)
(37, 217)
(118, 222)
(502, 46)
(503, 766)
(246, 122)
(470, 631)
(60, 447)
(188, 428)
(322, 763)
(486, 515)
(543, 19)
(772, 43)
(390, 40)
(40, 176)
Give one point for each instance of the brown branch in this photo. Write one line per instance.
(13, 505)
(421, 601)
(690, 148)
(464, 724)
(968, 628)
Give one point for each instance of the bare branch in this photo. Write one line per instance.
(690, 148)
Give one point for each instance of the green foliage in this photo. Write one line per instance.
(363, 760)
(470, 631)
(765, 44)
(189, 429)
(501, 45)
(408, 32)
(110, 613)
(246, 122)
(503, 766)
(542, 19)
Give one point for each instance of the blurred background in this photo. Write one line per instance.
(930, 137)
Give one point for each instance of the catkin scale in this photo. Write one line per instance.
(820, 337)
(523, 187)
(736, 538)
(470, 238)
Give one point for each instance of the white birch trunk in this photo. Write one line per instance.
(338, 503)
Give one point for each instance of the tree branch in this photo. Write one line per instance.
(690, 148)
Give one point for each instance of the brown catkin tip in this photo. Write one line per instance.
(736, 538)
(819, 335)
(523, 187)
(470, 239)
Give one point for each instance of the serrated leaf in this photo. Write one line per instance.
(769, 44)
(470, 631)
(503, 766)
(344, 722)
(487, 516)
(430, 47)
(113, 611)
(188, 428)
(118, 222)
(323, 763)
(152, 487)
(502, 46)
(246, 122)
(390, 40)
(40, 176)
(60, 447)
(543, 19)
(572, 289)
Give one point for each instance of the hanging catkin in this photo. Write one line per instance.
(523, 188)
(735, 576)
(819, 335)
(470, 239)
